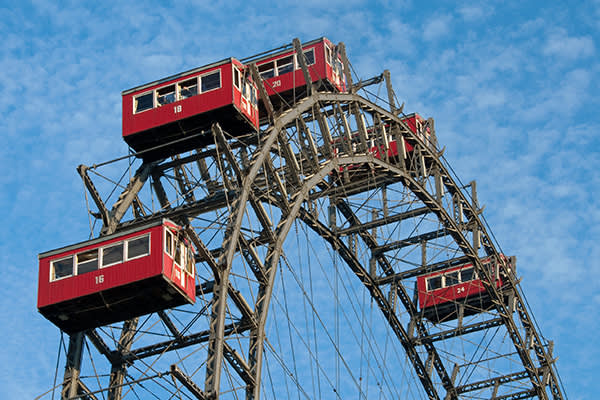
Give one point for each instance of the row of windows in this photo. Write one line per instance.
(451, 278)
(176, 248)
(284, 65)
(177, 91)
(91, 260)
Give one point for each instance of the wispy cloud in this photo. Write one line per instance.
(436, 27)
(512, 90)
(561, 45)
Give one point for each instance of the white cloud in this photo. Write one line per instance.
(560, 44)
(561, 95)
(437, 27)
(513, 101)
(474, 13)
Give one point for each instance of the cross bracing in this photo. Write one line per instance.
(308, 247)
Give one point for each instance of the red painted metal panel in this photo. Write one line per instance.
(295, 79)
(119, 291)
(50, 292)
(246, 107)
(453, 293)
(184, 123)
(177, 274)
(178, 110)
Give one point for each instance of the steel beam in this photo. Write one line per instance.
(375, 223)
(188, 383)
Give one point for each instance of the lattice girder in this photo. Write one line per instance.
(252, 190)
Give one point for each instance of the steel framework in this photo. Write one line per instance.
(381, 221)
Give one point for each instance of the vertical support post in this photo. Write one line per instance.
(384, 201)
(431, 125)
(362, 129)
(393, 295)
(390, 92)
(475, 228)
(325, 132)
(373, 266)
(347, 141)
(374, 215)
(439, 185)
(303, 66)
(118, 371)
(451, 393)
(73, 367)
(382, 139)
(401, 149)
(261, 90)
(332, 214)
(346, 64)
(458, 208)
(205, 174)
(412, 323)
(495, 391)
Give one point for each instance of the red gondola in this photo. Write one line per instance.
(173, 109)
(442, 293)
(117, 277)
(415, 123)
(283, 77)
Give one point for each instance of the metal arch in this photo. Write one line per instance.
(519, 343)
(284, 226)
(454, 230)
(217, 323)
(296, 192)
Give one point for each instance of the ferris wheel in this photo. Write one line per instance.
(282, 231)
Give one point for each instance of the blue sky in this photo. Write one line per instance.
(512, 87)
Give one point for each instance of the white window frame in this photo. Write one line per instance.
(101, 255)
(274, 69)
(328, 52)
(126, 247)
(182, 254)
(237, 83)
(168, 234)
(178, 88)
(190, 259)
(156, 104)
(432, 277)
(276, 64)
(312, 49)
(152, 92)
(76, 260)
(53, 271)
(200, 91)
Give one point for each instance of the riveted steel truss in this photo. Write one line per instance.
(387, 216)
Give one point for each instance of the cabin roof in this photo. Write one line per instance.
(101, 239)
(277, 51)
(179, 75)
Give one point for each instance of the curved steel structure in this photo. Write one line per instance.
(386, 219)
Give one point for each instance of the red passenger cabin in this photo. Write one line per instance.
(443, 293)
(176, 110)
(284, 79)
(413, 121)
(117, 277)
(416, 124)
